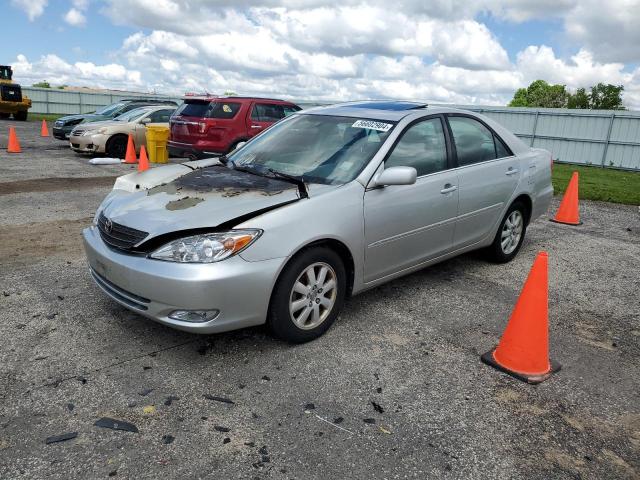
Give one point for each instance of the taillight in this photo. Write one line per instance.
(202, 127)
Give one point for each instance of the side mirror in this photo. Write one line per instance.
(396, 176)
(144, 121)
(239, 145)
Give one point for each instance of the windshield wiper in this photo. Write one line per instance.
(261, 171)
(299, 181)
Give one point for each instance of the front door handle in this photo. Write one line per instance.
(256, 126)
(512, 171)
(448, 188)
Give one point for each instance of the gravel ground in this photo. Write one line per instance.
(395, 389)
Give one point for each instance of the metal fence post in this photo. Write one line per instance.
(535, 127)
(80, 102)
(607, 140)
(46, 99)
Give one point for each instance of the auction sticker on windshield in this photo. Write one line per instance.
(371, 125)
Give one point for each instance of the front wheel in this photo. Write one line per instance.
(117, 146)
(21, 115)
(510, 235)
(308, 296)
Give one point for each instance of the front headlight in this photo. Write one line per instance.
(206, 248)
(88, 132)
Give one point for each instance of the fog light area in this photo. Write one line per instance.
(194, 316)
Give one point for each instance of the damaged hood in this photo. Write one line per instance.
(201, 198)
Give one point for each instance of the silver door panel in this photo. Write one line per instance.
(408, 224)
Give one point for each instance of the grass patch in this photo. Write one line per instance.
(605, 184)
(49, 117)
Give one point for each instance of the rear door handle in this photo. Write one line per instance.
(448, 188)
(256, 126)
(512, 171)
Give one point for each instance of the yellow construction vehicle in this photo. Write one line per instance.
(11, 99)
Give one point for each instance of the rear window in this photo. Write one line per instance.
(193, 109)
(224, 109)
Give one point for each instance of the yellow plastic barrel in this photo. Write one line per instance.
(157, 137)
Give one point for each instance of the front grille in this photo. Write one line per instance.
(77, 133)
(119, 236)
(11, 93)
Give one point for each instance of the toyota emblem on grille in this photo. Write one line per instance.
(108, 225)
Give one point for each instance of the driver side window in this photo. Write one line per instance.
(422, 146)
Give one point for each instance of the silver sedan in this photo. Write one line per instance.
(325, 204)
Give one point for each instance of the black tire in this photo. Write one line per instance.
(4, 115)
(279, 320)
(117, 146)
(495, 252)
(21, 116)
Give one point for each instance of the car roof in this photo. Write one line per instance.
(147, 100)
(389, 110)
(214, 98)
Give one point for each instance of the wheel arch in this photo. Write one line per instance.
(114, 137)
(525, 199)
(338, 247)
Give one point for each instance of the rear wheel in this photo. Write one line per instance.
(308, 296)
(117, 146)
(22, 115)
(510, 235)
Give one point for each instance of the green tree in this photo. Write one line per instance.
(540, 94)
(520, 98)
(42, 84)
(580, 99)
(606, 97)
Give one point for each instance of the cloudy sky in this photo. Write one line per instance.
(450, 51)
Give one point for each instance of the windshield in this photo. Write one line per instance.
(321, 149)
(110, 109)
(132, 115)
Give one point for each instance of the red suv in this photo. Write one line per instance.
(215, 125)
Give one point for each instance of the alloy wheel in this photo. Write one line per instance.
(511, 232)
(313, 295)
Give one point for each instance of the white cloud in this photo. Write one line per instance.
(580, 71)
(33, 8)
(75, 18)
(611, 30)
(58, 72)
(437, 51)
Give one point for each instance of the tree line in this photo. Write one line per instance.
(544, 95)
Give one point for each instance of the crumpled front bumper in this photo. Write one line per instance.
(239, 289)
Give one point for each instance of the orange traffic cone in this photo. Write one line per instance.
(569, 212)
(523, 351)
(14, 144)
(130, 156)
(44, 131)
(143, 164)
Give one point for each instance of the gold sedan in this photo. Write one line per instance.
(111, 137)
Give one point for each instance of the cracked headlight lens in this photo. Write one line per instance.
(206, 248)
